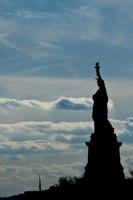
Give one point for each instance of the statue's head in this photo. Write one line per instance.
(100, 82)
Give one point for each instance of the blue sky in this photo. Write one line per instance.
(48, 49)
(43, 38)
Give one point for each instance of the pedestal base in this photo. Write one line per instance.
(104, 158)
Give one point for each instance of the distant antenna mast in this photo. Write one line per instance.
(40, 184)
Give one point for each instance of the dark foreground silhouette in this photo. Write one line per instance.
(104, 176)
(79, 188)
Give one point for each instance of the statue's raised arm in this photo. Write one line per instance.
(97, 67)
(100, 81)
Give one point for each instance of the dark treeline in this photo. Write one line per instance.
(68, 187)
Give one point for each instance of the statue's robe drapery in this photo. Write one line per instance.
(100, 98)
(100, 109)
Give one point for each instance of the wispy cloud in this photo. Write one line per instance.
(30, 15)
(44, 46)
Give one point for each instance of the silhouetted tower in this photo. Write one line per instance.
(103, 149)
(40, 184)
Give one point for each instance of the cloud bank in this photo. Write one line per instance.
(28, 147)
(35, 137)
(62, 103)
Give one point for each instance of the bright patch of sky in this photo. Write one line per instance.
(48, 49)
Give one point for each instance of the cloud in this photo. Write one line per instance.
(55, 170)
(31, 15)
(128, 131)
(73, 103)
(35, 137)
(62, 103)
(25, 178)
(50, 137)
(32, 50)
(26, 145)
(118, 3)
(124, 129)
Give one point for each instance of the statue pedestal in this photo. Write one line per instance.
(103, 158)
